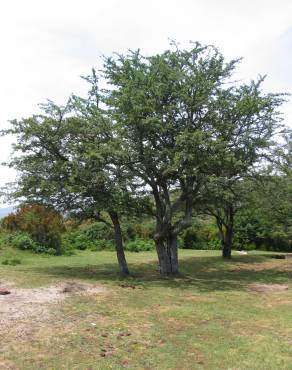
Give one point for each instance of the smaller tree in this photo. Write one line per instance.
(70, 158)
(247, 120)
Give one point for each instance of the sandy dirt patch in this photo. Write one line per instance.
(268, 288)
(24, 303)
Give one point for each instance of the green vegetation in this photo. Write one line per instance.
(173, 139)
(144, 321)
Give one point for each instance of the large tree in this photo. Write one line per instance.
(163, 105)
(166, 124)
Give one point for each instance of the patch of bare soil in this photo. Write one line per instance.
(268, 288)
(280, 265)
(22, 303)
(7, 365)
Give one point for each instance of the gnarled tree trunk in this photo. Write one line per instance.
(167, 255)
(227, 243)
(163, 258)
(167, 230)
(172, 251)
(119, 243)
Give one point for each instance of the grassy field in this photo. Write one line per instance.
(207, 318)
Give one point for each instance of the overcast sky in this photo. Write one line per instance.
(45, 46)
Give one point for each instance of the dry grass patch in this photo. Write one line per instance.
(280, 265)
(26, 305)
(268, 288)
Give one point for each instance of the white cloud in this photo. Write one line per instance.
(46, 45)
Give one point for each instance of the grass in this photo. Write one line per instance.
(207, 318)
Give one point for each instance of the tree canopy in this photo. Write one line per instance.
(169, 133)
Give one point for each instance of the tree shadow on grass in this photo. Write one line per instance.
(205, 274)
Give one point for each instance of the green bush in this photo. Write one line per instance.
(213, 244)
(81, 242)
(202, 235)
(11, 262)
(67, 244)
(139, 245)
(190, 239)
(138, 231)
(102, 244)
(40, 249)
(22, 241)
(4, 238)
(95, 236)
(98, 230)
(42, 224)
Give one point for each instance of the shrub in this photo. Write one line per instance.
(139, 245)
(22, 241)
(98, 230)
(11, 261)
(202, 235)
(213, 244)
(138, 231)
(5, 238)
(95, 236)
(190, 239)
(43, 224)
(81, 242)
(102, 244)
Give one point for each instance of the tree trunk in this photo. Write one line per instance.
(172, 253)
(164, 261)
(227, 243)
(226, 231)
(119, 243)
(167, 255)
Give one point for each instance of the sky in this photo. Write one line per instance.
(45, 46)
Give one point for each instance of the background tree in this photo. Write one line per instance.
(246, 122)
(272, 200)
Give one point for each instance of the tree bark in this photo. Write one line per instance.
(172, 253)
(119, 244)
(227, 243)
(167, 255)
(228, 234)
(163, 258)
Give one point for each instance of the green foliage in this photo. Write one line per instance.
(23, 241)
(202, 235)
(98, 230)
(102, 244)
(139, 231)
(82, 242)
(139, 245)
(94, 236)
(4, 238)
(39, 228)
(11, 261)
(172, 134)
(190, 239)
(265, 220)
